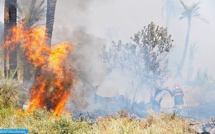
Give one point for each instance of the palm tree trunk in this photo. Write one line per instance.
(185, 48)
(1, 50)
(51, 4)
(10, 15)
(190, 64)
(27, 73)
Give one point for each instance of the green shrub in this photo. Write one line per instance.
(11, 94)
(43, 121)
(63, 126)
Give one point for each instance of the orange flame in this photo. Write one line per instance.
(52, 88)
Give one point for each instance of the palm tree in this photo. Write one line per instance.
(51, 5)
(1, 51)
(189, 13)
(10, 15)
(192, 53)
(171, 8)
(1, 32)
(30, 16)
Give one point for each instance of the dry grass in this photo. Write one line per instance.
(42, 121)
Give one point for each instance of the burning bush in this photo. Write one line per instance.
(53, 85)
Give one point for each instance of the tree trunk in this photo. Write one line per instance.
(1, 50)
(185, 48)
(51, 4)
(190, 64)
(10, 15)
(27, 73)
(28, 69)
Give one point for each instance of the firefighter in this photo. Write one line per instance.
(178, 95)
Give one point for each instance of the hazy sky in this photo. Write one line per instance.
(120, 19)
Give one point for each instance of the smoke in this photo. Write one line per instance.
(87, 65)
(90, 24)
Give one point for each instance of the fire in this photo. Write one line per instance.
(53, 86)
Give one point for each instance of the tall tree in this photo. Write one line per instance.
(192, 52)
(1, 51)
(189, 13)
(171, 9)
(142, 62)
(30, 16)
(10, 15)
(51, 5)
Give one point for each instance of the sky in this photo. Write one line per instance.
(113, 20)
(121, 19)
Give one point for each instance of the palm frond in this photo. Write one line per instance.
(195, 9)
(194, 48)
(182, 17)
(32, 14)
(171, 8)
(204, 20)
(195, 5)
(184, 6)
(195, 14)
(191, 11)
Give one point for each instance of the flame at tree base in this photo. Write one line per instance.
(50, 92)
(53, 86)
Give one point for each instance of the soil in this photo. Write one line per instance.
(201, 117)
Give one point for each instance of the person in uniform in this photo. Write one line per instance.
(178, 95)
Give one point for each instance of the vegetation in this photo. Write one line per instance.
(143, 61)
(192, 53)
(29, 16)
(171, 9)
(145, 58)
(11, 94)
(51, 5)
(10, 16)
(189, 12)
(41, 121)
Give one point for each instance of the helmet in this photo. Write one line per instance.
(176, 85)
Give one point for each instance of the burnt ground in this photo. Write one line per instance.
(202, 126)
(202, 111)
(201, 118)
